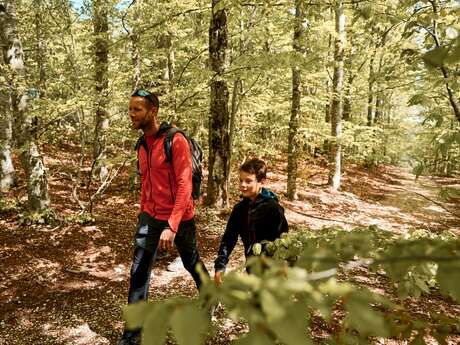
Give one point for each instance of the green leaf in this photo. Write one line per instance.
(189, 324)
(257, 248)
(435, 57)
(364, 318)
(156, 325)
(292, 329)
(454, 53)
(272, 308)
(418, 340)
(136, 313)
(448, 277)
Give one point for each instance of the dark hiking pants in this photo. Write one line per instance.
(146, 242)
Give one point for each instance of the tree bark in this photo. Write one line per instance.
(13, 61)
(348, 85)
(370, 93)
(337, 99)
(219, 148)
(450, 93)
(134, 37)
(101, 66)
(295, 105)
(7, 172)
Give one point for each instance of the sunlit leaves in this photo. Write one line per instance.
(156, 324)
(363, 318)
(438, 57)
(189, 324)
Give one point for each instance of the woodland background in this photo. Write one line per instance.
(344, 99)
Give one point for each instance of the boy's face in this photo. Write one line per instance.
(249, 186)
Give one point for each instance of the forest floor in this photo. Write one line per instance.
(67, 283)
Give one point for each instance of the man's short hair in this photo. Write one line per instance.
(255, 166)
(152, 99)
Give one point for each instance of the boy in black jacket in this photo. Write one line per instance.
(257, 217)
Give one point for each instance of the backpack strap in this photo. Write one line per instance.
(167, 144)
(141, 141)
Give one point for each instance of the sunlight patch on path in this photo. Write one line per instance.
(78, 335)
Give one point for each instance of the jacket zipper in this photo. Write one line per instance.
(170, 188)
(149, 153)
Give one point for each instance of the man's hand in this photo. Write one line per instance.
(218, 277)
(167, 239)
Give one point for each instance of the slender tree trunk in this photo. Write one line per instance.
(37, 184)
(450, 93)
(237, 86)
(101, 66)
(7, 173)
(136, 59)
(40, 48)
(379, 104)
(327, 117)
(348, 85)
(337, 103)
(370, 93)
(295, 105)
(172, 72)
(219, 148)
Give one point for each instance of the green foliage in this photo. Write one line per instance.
(449, 193)
(179, 314)
(47, 216)
(314, 271)
(84, 218)
(9, 205)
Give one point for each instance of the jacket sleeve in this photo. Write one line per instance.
(142, 177)
(282, 222)
(228, 242)
(182, 166)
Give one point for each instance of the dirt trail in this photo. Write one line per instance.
(392, 199)
(67, 284)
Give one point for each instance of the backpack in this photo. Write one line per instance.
(195, 151)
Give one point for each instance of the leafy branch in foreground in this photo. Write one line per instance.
(308, 272)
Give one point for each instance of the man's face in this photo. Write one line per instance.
(249, 186)
(141, 117)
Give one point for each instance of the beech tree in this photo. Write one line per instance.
(101, 66)
(295, 103)
(337, 101)
(16, 82)
(219, 150)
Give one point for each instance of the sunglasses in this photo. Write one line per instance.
(147, 94)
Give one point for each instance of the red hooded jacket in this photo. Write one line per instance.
(166, 189)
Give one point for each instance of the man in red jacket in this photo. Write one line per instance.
(166, 214)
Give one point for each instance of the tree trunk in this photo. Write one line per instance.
(348, 85)
(370, 93)
(101, 66)
(37, 184)
(337, 103)
(237, 86)
(379, 104)
(171, 73)
(327, 117)
(295, 105)
(7, 173)
(450, 93)
(219, 148)
(134, 37)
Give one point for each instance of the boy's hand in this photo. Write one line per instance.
(167, 239)
(218, 277)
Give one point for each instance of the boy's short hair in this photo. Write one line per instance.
(255, 166)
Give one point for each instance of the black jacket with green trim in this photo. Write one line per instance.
(253, 222)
